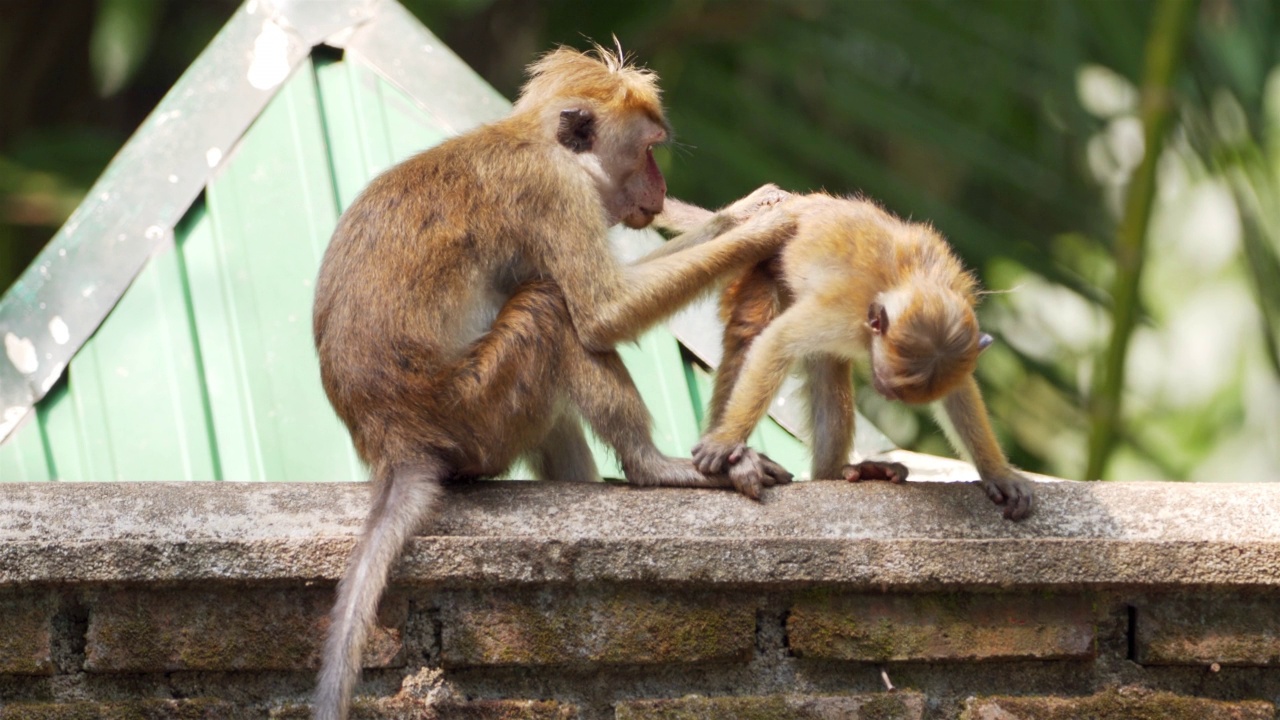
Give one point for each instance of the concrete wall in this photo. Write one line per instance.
(552, 600)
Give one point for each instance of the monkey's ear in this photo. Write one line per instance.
(877, 318)
(577, 129)
(984, 342)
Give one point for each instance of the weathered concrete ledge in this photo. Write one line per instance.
(559, 601)
(919, 535)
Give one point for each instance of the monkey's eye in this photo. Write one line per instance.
(877, 319)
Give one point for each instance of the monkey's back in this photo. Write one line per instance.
(422, 260)
(849, 246)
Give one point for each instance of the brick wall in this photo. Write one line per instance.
(571, 601)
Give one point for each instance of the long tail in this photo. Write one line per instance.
(405, 496)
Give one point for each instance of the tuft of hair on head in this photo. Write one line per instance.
(933, 344)
(604, 76)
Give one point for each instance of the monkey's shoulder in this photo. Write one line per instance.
(500, 170)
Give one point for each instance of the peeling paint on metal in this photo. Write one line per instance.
(12, 416)
(22, 353)
(54, 374)
(58, 329)
(165, 117)
(270, 65)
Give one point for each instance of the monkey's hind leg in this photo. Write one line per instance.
(564, 453)
(749, 303)
(829, 389)
(504, 398)
(828, 386)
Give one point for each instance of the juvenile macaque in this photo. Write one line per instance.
(854, 282)
(468, 306)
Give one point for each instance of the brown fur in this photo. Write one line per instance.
(849, 256)
(468, 306)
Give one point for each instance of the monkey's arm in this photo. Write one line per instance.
(697, 225)
(767, 362)
(715, 225)
(608, 312)
(681, 217)
(1004, 485)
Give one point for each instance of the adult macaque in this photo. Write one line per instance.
(854, 282)
(468, 306)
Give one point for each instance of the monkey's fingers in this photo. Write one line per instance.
(763, 198)
(769, 195)
(1018, 506)
(750, 475)
(712, 457)
(774, 473)
(746, 481)
(875, 470)
(1014, 493)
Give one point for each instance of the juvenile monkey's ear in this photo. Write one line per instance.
(577, 129)
(984, 342)
(877, 318)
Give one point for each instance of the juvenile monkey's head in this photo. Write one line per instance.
(609, 115)
(924, 341)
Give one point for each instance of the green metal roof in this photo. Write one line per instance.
(205, 368)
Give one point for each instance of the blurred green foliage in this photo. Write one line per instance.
(1012, 125)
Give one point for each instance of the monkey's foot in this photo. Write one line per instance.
(875, 470)
(749, 471)
(753, 472)
(1013, 491)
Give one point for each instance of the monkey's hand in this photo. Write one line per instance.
(874, 470)
(763, 198)
(748, 470)
(1012, 490)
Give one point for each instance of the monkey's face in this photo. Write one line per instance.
(923, 344)
(616, 149)
(641, 190)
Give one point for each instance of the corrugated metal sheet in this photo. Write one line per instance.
(206, 371)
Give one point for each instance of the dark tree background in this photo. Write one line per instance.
(1018, 127)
